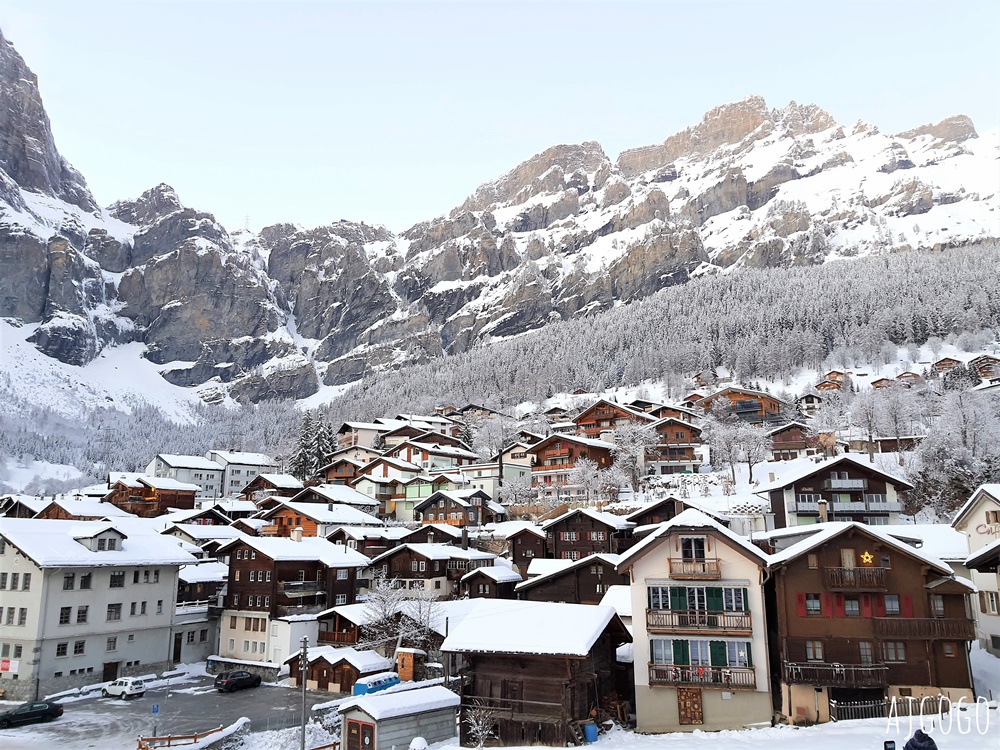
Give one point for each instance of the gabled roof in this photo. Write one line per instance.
(366, 662)
(281, 481)
(244, 458)
(183, 516)
(667, 420)
(811, 468)
(188, 462)
(619, 596)
(513, 528)
(372, 532)
(461, 498)
(205, 532)
(308, 548)
(435, 552)
(591, 442)
(782, 427)
(389, 705)
(639, 415)
(991, 490)
(392, 461)
(738, 389)
(334, 513)
(650, 506)
(165, 483)
(608, 519)
(988, 553)
(537, 628)
(691, 519)
(92, 508)
(426, 419)
(607, 559)
(435, 449)
(498, 573)
(336, 493)
(453, 532)
(540, 566)
(209, 571)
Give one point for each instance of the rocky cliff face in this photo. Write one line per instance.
(282, 312)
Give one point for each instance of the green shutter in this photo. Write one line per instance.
(678, 598)
(718, 655)
(749, 655)
(746, 600)
(682, 652)
(713, 599)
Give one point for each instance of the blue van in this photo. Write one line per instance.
(375, 682)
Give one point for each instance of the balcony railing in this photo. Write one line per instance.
(926, 627)
(301, 588)
(307, 609)
(724, 678)
(697, 619)
(852, 507)
(330, 636)
(854, 579)
(807, 506)
(848, 675)
(845, 484)
(885, 507)
(695, 568)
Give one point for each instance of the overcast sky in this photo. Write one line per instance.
(393, 113)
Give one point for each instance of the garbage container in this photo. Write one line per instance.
(590, 731)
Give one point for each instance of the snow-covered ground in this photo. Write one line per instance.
(19, 474)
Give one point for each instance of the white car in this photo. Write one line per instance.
(125, 687)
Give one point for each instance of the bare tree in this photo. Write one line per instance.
(611, 480)
(516, 491)
(586, 476)
(631, 441)
(721, 431)
(755, 446)
(896, 411)
(422, 615)
(380, 622)
(480, 718)
(864, 415)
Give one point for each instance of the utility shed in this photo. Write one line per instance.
(381, 721)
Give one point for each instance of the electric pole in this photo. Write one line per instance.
(303, 676)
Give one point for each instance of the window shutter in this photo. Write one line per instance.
(713, 599)
(838, 606)
(880, 605)
(907, 605)
(982, 603)
(678, 597)
(682, 652)
(800, 604)
(866, 605)
(746, 600)
(826, 603)
(749, 655)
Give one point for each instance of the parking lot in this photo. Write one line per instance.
(189, 706)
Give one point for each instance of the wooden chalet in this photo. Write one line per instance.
(691, 399)
(270, 485)
(542, 666)
(315, 519)
(342, 624)
(490, 582)
(582, 532)
(844, 488)
(825, 386)
(986, 366)
(335, 670)
(584, 581)
(909, 378)
(435, 533)
(604, 416)
(436, 567)
(554, 458)
(837, 376)
(67, 509)
(808, 403)
(674, 452)
(459, 508)
(207, 516)
(22, 506)
(656, 512)
(860, 616)
(431, 454)
(880, 383)
(149, 497)
(341, 470)
(203, 582)
(370, 541)
(234, 508)
(749, 405)
(945, 364)
(338, 494)
(792, 440)
(526, 545)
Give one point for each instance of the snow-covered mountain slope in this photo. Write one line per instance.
(293, 312)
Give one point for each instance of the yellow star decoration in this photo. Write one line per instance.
(867, 557)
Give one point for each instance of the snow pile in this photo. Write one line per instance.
(985, 673)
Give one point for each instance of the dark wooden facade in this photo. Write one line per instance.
(260, 487)
(792, 441)
(579, 534)
(584, 582)
(675, 448)
(659, 512)
(524, 546)
(748, 405)
(199, 592)
(481, 586)
(148, 502)
(341, 471)
(451, 510)
(604, 416)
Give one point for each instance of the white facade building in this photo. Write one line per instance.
(191, 470)
(239, 467)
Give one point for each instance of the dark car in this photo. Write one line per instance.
(227, 682)
(29, 713)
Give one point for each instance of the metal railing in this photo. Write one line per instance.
(845, 484)
(880, 709)
(291, 588)
(697, 619)
(854, 578)
(861, 675)
(694, 568)
(725, 678)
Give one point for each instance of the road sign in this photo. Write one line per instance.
(156, 708)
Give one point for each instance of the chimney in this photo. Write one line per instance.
(770, 476)
(296, 535)
(823, 515)
(465, 538)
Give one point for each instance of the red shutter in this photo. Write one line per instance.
(838, 606)
(827, 605)
(880, 605)
(907, 605)
(866, 605)
(800, 604)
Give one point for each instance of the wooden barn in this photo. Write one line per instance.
(336, 669)
(494, 582)
(384, 721)
(584, 581)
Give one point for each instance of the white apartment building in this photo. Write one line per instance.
(239, 467)
(83, 602)
(979, 521)
(192, 470)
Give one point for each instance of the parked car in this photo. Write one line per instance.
(31, 712)
(227, 682)
(125, 687)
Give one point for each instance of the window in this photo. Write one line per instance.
(341, 599)
(597, 536)
(17, 651)
(118, 579)
(661, 651)
(813, 606)
(190, 636)
(202, 635)
(993, 516)
(734, 599)
(814, 650)
(267, 601)
(268, 576)
(342, 574)
(26, 582)
(232, 622)
(232, 644)
(69, 581)
(246, 647)
(132, 609)
(85, 581)
(131, 637)
(114, 612)
(62, 649)
(413, 566)
(949, 649)
(253, 574)
(892, 604)
(813, 560)
(22, 615)
(78, 647)
(236, 575)
(159, 606)
(10, 616)
(156, 576)
(852, 606)
(135, 576)
(3, 581)
(112, 644)
(102, 544)
(4, 651)
(64, 614)
(568, 536)
(693, 547)
(885, 561)
(574, 555)
(894, 651)
(423, 566)
(937, 605)
(14, 580)
(865, 649)
(112, 544)
(142, 608)
(81, 613)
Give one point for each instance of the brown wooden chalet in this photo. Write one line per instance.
(22, 506)
(80, 510)
(525, 545)
(151, 496)
(370, 541)
(435, 533)
(270, 485)
(945, 364)
(335, 669)
(674, 452)
(792, 440)
(582, 532)
(459, 508)
(880, 383)
(542, 667)
(604, 416)
(985, 366)
(435, 567)
(656, 512)
(554, 458)
(844, 488)
(749, 405)
(342, 624)
(288, 576)
(585, 581)
(862, 616)
(490, 582)
(337, 494)
(341, 470)
(825, 386)
(909, 378)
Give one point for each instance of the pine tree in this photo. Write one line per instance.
(302, 465)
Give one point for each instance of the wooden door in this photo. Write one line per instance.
(847, 558)
(513, 691)
(110, 671)
(178, 644)
(689, 707)
(360, 735)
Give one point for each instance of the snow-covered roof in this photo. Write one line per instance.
(544, 628)
(438, 552)
(993, 490)
(437, 449)
(308, 548)
(166, 483)
(591, 442)
(231, 506)
(620, 597)
(461, 498)
(127, 478)
(332, 514)
(245, 459)
(691, 518)
(366, 662)
(210, 571)
(188, 462)
(938, 539)
(810, 467)
(92, 508)
(506, 529)
(282, 481)
(54, 543)
(392, 461)
(452, 531)
(608, 519)
(369, 532)
(984, 553)
(205, 531)
(540, 566)
(31, 502)
(338, 493)
(388, 705)
(499, 574)
(604, 557)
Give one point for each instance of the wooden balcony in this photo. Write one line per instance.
(698, 620)
(924, 628)
(330, 636)
(693, 569)
(301, 588)
(845, 675)
(723, 678)
(854, 579)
